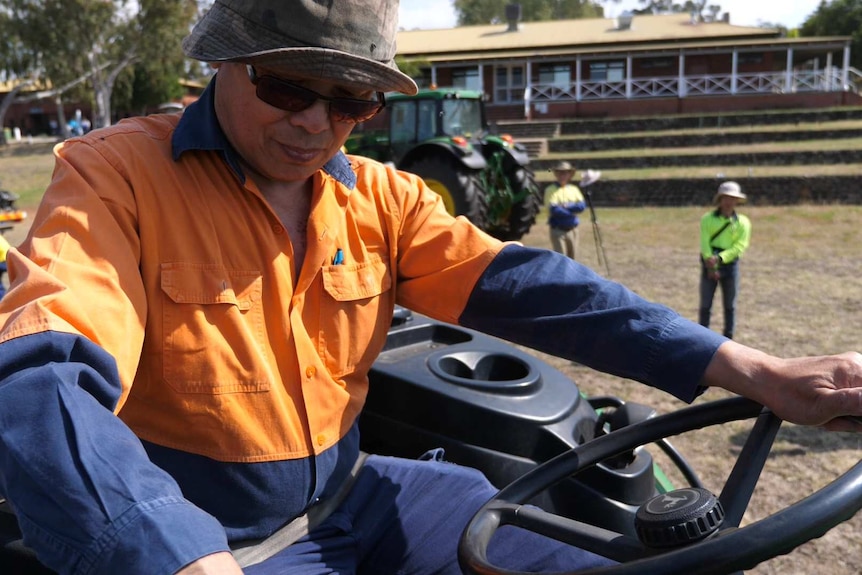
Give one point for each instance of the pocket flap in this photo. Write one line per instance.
(211, 284)
(350, 282)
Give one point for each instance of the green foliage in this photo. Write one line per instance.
(486, 11)
(154, 77)
(472, 12)
(838, 18)
(61, 41)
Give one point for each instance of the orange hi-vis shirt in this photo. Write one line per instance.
(184, 273)
(157, 283)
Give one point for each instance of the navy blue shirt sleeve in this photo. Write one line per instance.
(546, 301)
(87, 497)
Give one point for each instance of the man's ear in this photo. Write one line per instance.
(214, 65)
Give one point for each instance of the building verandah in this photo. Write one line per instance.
(616, 75)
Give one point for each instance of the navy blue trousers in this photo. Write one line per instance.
(2, 285)
(405, 517)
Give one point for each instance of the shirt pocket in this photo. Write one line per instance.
(352, 311)
(213, 329)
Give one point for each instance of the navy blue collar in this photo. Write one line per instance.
(198, 129)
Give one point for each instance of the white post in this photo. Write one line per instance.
(845, 70)
(827, 74)
(734, 71)
(628, 76)
(482, 78)
(578, 78)
(528, 86)
(681, 89)
(433, 75)
(788, 72)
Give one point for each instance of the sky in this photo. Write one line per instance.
(428, 14)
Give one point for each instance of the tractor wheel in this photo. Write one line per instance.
(458, 186)
(523, 214)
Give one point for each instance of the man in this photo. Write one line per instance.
(164, 396)
(4, 249)
(724, 237)
(565, 201)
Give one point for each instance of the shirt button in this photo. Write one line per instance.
(310, 371)
(321, 439)
(277, 229)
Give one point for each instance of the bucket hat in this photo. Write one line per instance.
(731, 189)
(349, 43)
(563, 166)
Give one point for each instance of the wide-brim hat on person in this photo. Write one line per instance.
(350, 43)
(731, 189)
(564, 166)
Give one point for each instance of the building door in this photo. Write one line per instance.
(509, 84)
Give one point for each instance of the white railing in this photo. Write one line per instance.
(829, 80)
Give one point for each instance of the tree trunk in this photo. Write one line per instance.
(61, 118)
(7, 101)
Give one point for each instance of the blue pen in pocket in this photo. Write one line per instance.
(338, 259)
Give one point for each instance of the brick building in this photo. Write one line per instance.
(633, 65)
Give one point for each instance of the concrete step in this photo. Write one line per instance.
(606, 143)
(790, 158)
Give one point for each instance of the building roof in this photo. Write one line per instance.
(571, 36)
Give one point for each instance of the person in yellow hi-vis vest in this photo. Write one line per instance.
(4, 247)
(724, 237)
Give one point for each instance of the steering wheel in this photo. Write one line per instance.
(726, 548)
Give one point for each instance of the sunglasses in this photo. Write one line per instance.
(292, 97)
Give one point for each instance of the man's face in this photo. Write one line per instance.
(279, 145)
(563, 176)
(727, 204)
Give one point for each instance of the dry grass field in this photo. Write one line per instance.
(801, 293)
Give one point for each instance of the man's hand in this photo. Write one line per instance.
(216, 564)
(824, 391)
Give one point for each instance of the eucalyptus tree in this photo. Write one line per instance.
(100, 39)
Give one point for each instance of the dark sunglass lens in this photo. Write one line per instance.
(284, 95)
(346, 110)
(295, 98)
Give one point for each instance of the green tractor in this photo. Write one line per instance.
(442, 136)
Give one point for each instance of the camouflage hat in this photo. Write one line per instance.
(349, 43)
(563, 166)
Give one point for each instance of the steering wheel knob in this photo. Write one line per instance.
(678, 518)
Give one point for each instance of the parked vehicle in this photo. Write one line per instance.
(442, 135)
(9, 213)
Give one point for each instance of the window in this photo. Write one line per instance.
(608, 71)
(750, 58)
(403, 121)
(462, 117)
(650, 63)
(509, 83)
(466, 79)
(555, 75)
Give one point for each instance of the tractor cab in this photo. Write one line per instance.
(434, 114)
(441, 135)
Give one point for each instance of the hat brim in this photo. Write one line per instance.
(738, 195)
(216, 38)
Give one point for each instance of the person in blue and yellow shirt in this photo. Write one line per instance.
(565, 201)
(724, 237)
(167, 399)
(4, 249)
